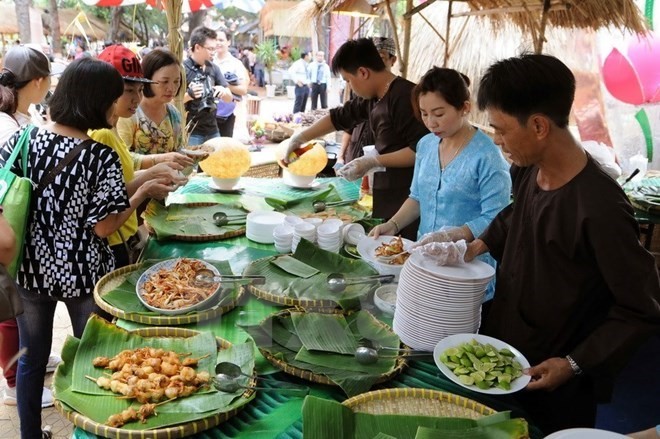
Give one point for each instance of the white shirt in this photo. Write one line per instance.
(299, 71)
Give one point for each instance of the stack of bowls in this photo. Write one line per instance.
(328, 237)
(283, 238)
(316, 221)
(259, 225)
(292, 220)
(303, 230)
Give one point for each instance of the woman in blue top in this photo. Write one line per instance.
(461, 180)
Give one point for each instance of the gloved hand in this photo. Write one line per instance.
(445, 234)
(387, 229)
(295, 142)
(444, 253)
(358, 168)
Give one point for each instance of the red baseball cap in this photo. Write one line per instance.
(125, 61)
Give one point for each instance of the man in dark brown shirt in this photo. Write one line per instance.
(383, 100)
(576, 292)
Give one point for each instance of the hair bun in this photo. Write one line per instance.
(465, 78)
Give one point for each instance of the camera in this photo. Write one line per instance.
(206, 102)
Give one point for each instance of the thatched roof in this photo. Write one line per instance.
(526, 14)
(8, 21)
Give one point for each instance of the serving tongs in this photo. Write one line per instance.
(207, 277)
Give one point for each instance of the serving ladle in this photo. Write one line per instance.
(337, 282)
(369, 355)
(222, 219)
(206, 276)
(228, 375)
(320, 206)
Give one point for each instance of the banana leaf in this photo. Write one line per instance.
(326, 419)
(76, 356)
(190, 220)
(124, 296)
(324, 332)
(294, 266)
(274, 335)
(281, 283)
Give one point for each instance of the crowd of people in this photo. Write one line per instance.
(563, 294)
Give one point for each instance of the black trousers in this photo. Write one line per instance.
(302, 93)
(226, 125)
(322, 91)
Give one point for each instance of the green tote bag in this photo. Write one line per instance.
(15, 193)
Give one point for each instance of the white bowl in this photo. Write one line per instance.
(304, 228)
(292, 220)
(226, 184)
(352, 233)
(329, 230)
(298, 180)
(283, 230)
(385, 298)
(335, 222)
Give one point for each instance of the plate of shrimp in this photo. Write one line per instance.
(169, 287)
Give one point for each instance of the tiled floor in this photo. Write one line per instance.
(61, 428)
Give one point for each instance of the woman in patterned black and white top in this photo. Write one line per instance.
(65, 251)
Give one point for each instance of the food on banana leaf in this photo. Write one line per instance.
(175, 288)
(148, 375)
(329, 213)
(130, 415)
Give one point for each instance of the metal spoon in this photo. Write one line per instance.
(222, 219)
(320, 206)
(367, 355)
(206, 276)
(227, 382)
(231, 370)
(337, 282)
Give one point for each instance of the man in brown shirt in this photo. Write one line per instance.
(383, 100)
(576, 291)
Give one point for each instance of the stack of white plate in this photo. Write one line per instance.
(435, 301)
(303, 230)
(259, 225)
(328, 236)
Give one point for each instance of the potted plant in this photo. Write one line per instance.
(266, 51)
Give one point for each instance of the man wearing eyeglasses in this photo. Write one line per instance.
(206, 83)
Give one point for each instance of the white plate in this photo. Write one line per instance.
(455, 340)
(313, 185)
(217, 188)
(471, 271)
(169, 264)
(585, 433)
(367, 247)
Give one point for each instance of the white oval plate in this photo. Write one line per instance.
(455, 340)
(170, 263)
(585, 433)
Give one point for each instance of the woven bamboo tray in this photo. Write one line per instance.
(400, 365)
(198, 238)
(112, 280)
(411, 401)
(177, 431)
(267, 170)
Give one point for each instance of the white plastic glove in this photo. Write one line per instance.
(358, 168)
(445, 234)
(444, 253)
(295, 142)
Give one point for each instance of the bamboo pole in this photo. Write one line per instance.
(437, 32)
(447, 34)
(538, 48)
(175, 41)
(407, 22)
(395, 35)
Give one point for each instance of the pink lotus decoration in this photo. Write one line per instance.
(635, 79)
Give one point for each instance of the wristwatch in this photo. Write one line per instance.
(574, 365)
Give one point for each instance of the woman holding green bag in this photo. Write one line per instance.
(24, 81)
(65, 250)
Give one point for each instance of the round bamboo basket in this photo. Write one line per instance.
(112, 280)
(400, 365)
(199, 238)
(411, 401)
(177, 431)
